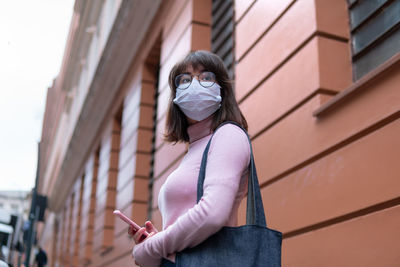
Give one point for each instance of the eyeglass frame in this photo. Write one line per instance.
(198, 79)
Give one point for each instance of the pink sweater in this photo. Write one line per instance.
(185, 223)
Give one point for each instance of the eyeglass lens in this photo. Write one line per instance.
(206, 79)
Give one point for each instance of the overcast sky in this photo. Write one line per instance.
(32, 41)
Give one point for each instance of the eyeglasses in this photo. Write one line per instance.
(206, 79)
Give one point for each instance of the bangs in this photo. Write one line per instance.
(198, 59)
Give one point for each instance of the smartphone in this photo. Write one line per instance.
(130, 222)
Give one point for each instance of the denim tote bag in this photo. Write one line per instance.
(251, 245)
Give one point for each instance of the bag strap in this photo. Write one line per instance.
(255, 210)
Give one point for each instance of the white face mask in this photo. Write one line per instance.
(198, 102)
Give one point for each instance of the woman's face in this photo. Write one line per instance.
(197, 93)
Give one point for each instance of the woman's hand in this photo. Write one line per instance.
(139, 236)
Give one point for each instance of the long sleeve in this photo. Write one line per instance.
(228, 159)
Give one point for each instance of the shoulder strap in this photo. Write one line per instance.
(255, 210)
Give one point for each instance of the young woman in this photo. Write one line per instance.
(201, 98)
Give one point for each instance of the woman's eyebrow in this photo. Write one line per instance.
(191, 73)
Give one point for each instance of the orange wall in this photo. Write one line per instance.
(323, 179)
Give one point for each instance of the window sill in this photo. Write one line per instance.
(358, 86)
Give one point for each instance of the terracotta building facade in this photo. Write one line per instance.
(317, 80)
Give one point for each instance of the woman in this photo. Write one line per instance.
(202, 98)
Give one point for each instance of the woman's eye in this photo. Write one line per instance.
(185, 80)
(207, 77)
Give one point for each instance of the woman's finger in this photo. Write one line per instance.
(150, 227)
(131, 230)
(138, 237)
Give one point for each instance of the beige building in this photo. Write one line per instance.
(15, 202)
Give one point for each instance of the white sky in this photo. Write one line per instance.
(32, 41)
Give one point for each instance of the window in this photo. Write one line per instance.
(222, 32)
(375, 33)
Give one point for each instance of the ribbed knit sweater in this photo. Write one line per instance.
(185, 222)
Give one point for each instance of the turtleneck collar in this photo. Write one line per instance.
(199, 129)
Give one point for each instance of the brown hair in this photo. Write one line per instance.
(176, 124)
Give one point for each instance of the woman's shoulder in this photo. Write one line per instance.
(230, 134)
(230, 141)
(230, 129)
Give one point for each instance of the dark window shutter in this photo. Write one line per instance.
(375, 33)
(222, 32)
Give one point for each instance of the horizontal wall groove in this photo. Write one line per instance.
(104, 210)
(352, 215)
(291, 110)
(174, 23)
(327, 91)
(127, 117)
(111, 188)
(106, 249)
(145, 128)
(332, 36)
(149, 82)
(144, 104)
(138, 201)
(359, 86)
(142, 152)
(100, 230)
(201, 23)
(244, 13)
(370, 129)
(128, 160)
(266, 30)
(283, 62)
(121, 233)
(132, 201)
(121, 187)
(274, 70)
(111, 170)
(175, 44)
(157, 148)
(141, 177)
(161, 117)
(109, 263)
(125, 206)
